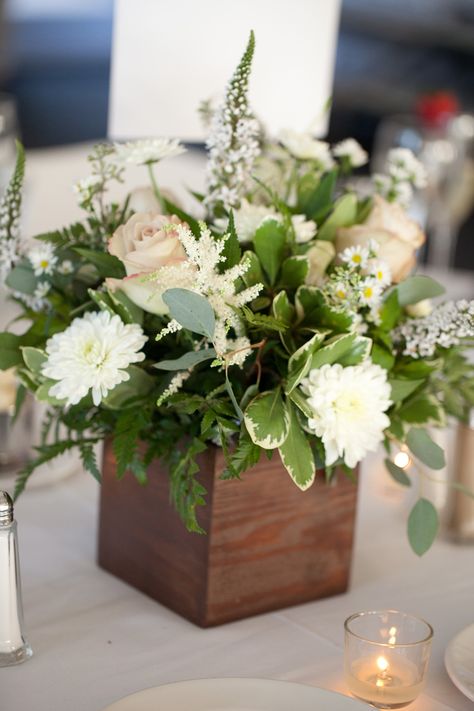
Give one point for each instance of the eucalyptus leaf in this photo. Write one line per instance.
(423, 447)
(422, 526)
(417, 288)
(22, 278)
(191, 311)
(267, 420)
(186, 361)
(397, 473)
(296, 453)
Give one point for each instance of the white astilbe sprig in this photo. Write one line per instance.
(11, 244)
(447, 325)
(176, 383)
(233, 142)
(201, 274)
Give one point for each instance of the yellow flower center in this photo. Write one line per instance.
(356, 258)
(379, 275)
(44, 263)
(368, 292)
(340, 293)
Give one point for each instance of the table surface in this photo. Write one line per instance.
(96, 639)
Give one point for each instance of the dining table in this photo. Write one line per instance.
(96, 639)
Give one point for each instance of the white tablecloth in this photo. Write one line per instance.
(96, 639)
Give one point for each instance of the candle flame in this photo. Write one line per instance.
(393, 635)
(382, 664)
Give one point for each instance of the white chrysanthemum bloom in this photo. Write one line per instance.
(42, 258)
(403, 166)
(352, 150)
(356, 256)
(247, 219)
(66, 267)
(92, 354)
(147, 151)
(304, 229)
(349, 407)
(304, 147)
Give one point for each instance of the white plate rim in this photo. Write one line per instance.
(448, 663)
(356, 703)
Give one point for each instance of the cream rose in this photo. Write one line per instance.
(320, 255)
(397, 235)
(144, 244)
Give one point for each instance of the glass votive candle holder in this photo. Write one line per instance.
(386, 657)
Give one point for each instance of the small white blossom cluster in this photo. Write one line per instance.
(176, 383)
(403, 173)
(351, 151)
(92, 355)
(147, 151)
(200, 273)
(36, 301)
(357, 285)
(233, 142)
(104, 170)
(447, 325)
(249, 217)
(11, 244)
(304, 146)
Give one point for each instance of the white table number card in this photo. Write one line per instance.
(170, 55)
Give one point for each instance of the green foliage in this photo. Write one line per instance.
(417, 288)
(22, 278)
(186, 492)
(232, 252)
(267, 420)
(269, 243)
(106, 264)
(422, 526)
(10, 353)
(315, 196)
(89, 460)
(300, 362)
(397, 473)
(423, 447)
(296, 453)
(128, 429)
(344, 214)
(245, 456)
(191, 311)
(262, 321)
(314, 312)
(294, 271)
(188, 360)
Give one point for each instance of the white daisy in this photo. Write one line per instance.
(147, 151)
(348, 407)
(42, 258)
(304, 229)
(380, 272)
(304, 147)
(92, 355)
(352, 150)
(370, 292)
(356, 256)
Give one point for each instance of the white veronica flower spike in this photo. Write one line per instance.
(92, 355)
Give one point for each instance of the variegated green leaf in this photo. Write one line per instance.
(267, 420)
(300, 362)
(282, 309)
(347, 349)
(296, 453)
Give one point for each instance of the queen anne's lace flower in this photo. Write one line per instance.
(92, 355)
(349, 406)
(447, 325)
(147, 151)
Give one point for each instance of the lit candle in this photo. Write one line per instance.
(386, 684)
(386, 657)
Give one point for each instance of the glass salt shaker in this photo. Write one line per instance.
(14, 647)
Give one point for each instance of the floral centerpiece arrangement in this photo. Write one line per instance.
(287, 322)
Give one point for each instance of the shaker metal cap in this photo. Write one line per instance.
(6, 509)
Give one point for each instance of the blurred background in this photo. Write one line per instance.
(404, 76)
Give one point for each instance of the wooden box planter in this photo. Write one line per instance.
(269, 545)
